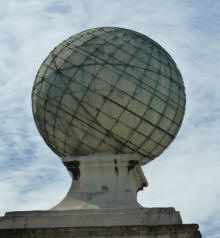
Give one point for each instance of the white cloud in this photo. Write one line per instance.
(186, 176)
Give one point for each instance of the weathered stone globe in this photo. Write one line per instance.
(108, 90)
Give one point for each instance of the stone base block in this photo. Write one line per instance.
(136, 223)
(165, 231)
(90, 218)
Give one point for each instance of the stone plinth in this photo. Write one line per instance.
(141, 222)
(165, 231)
(90, 218)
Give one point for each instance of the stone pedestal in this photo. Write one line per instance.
(101, 203)
(142, 222)
(90, 218)
(103, 181)
(169, 231)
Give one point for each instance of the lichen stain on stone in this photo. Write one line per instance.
(132, 164)
(116, 167)
(142, 187)
(105, 188)
(73, 167)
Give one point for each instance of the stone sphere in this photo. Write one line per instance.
(110, 90)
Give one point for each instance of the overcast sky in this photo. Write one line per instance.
(187, 175)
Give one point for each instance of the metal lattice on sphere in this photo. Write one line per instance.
(108, 90)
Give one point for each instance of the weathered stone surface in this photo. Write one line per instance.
(90, 218)
(166, 231)
(103, 181)
(136, 223)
